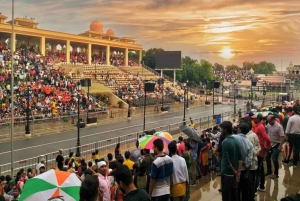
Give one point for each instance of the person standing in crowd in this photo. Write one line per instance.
(60, 160)
(103, 180)
(112, 164)
(245, 192)
(219, 155)
(90, 190)
(252, 137)
(181, 147)
(123, 177)
(141, 178)
(194, 150)
(215, 135)
(117, 150)
(293, 133)
(265, 144)
(276, 134)
(192, 125)
(231, 163)
(148, 159)
(129, 163)
(286, 118)
(39, 165)
(179, 177)
(161, 171)
(187, 155)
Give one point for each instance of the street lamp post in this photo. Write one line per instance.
(129, 110)
(264, 90)
(213, 103)
(187, 95)
(161, 82)
(222, 92)
(78, 87)
(216, 85)
(233, 82)
(184, 97)
(27, 126)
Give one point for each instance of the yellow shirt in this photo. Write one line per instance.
(192, 125)
(129, 163)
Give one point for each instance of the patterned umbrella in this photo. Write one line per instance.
(146, 142)
(52, 184)
(164, 135)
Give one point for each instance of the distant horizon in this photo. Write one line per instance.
(225, 32)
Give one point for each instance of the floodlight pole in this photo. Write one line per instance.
(213, 88)
(184, 106)
(144, 123)
(12, 42)
(78, 127)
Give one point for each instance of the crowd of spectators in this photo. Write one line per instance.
(228, 75)
(133, 92)
(49, 92)
(115, 60)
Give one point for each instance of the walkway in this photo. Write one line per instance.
(287, 183)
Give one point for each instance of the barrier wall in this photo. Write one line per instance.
(107, 146)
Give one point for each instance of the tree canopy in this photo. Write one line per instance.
(218, 67)
(233, 67)
(196, 71)
(262, 67)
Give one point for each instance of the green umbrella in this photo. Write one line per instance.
(52, 185)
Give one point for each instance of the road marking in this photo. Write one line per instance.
(110, 131)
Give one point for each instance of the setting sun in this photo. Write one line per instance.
(226, 53)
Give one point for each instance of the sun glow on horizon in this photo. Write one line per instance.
(226, 53)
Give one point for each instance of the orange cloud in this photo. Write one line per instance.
(256, 29)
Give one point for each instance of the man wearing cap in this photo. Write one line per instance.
(103, 180)
(265, 144)
(276, 134)
(60, 160)
(39, 165)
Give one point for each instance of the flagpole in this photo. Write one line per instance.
(12, 44)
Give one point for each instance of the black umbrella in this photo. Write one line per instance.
(190, 132)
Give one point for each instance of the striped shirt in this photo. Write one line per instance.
(275, 132)
(161, 170)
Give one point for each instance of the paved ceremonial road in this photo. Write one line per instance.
(36, 146)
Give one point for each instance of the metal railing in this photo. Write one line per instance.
(107, 146)
(68, 123)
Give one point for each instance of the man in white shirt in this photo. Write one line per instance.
(180, 177)
(293, 133)
(39, 165)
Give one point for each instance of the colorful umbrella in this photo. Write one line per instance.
(52, 184)
(264, 113)
(164, 135)
(146, 142)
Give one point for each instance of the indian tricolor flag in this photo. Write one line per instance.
(52, 185)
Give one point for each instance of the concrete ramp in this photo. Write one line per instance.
(97, 87)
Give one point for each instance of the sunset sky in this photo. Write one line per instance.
(223, 31)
